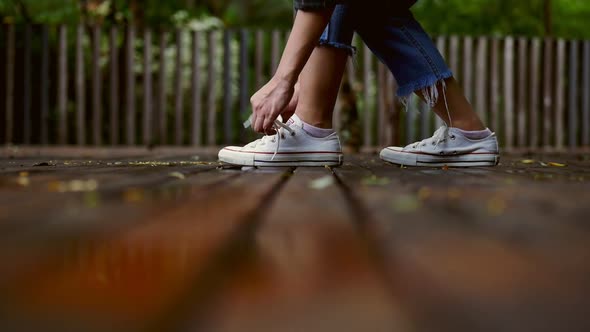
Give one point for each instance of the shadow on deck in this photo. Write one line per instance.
(130, 240)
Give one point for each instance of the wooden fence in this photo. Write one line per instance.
(119, 86)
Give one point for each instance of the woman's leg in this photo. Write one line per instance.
(400, 42)
(319, 83)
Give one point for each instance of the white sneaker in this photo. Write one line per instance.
(448, 147)
(291, 146)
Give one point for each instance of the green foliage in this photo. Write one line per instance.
(474, 17)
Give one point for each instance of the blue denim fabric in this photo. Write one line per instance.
(396, 38)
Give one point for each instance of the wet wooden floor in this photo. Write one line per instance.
(131, 240)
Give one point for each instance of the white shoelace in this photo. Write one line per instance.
(440, 136)
(277, 126)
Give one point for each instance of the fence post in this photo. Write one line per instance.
(227, 87)
(534, 94)
(130, 90)
(212, 93)
(244, 78)
(560, 95)
(9, 102)
(196, 90)
(162, 89)
(178, 95)
(482, 78)
(27, 85)
(45, 85)
(495, 86)
(509, 92)
(62, 132)
(114, 85)
(80, 87)
(573, 126)
(368, 115)
(96, 87)
(468, 67)
(147, 88)
(547, 92)
(522, 102)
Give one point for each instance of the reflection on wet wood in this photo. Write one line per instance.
(173, 241)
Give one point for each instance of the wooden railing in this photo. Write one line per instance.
(118, 86)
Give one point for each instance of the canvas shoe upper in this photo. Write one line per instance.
(290, 146)
(448, 147)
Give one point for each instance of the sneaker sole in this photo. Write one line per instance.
(281, 160)
(425, 160)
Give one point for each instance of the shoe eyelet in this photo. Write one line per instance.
(433, 143)
(442, 153)
(282, 136)
(453, 137)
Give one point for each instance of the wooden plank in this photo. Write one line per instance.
(495, 85)
(454, 56)
(368, 113)
(381, 109)
(586, 96)
(27, 88)
(509, 93)
(62, 88)
(482, 82)
(522, 92)
(534, 92)
(441, 45)
(425, 130)
(573, 88)
(96, 86)
(228, 130)
(275, 57)
(560, 95)
(162, 91)
(197, 109)
(411, 117)
(393, 111)
(114, 85)
(244, 74)
(148, 115)
(9, 99)
(468, 67)
(178, 90)
(212, 90)
(130, 111)
(259, 59)
(80, 87)
(45, 54)
(547, 92)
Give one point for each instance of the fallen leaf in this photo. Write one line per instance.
(177, 175)
(406, 204)
(374, 180)
(322, 183)
(445, 168)
(543, 164)
(553, 164)
(527, 161)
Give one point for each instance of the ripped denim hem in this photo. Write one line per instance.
(423, 84)
(351, 50)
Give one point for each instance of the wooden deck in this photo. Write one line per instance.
(167, 240)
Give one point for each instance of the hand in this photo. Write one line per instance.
(269, 102)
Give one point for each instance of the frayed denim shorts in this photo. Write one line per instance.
(395, 37)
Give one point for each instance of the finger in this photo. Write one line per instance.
(268, 123)
(258, 126)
